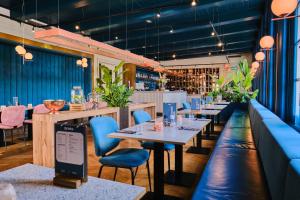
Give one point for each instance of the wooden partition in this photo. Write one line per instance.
(43, 131)
(148, 107)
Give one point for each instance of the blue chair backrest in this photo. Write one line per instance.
(141, 116)
(186, 105)
(101, 127)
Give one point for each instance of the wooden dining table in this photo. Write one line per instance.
(179, 135)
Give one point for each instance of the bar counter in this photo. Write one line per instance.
(43, 131)
(160, 97)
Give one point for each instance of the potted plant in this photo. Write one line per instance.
(239, 90)
(114, 92)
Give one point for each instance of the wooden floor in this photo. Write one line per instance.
(19, 154)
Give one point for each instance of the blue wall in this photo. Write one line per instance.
(51, 75)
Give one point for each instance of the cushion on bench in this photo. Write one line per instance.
(232, 173)
(279, 144)
(236, 137)
(292, 183)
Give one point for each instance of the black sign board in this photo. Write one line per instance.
(71, 150)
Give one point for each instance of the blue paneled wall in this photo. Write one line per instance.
(51, 75)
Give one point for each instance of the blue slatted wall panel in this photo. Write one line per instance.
(51, 75)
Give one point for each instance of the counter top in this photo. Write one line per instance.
(157, 91)
(35, 182)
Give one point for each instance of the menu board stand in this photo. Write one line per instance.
(70, 154)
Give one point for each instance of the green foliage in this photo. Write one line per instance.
(241, 85)
(113, 92)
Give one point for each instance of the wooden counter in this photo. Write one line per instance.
(43, 131)
(160, 97)
(148, 107)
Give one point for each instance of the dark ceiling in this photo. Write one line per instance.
(122, 23)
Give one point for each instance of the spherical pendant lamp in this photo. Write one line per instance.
(84, 60)
(28, 56)
(255, 65)
(84, 65)
(79, 62)
(260, 56)
(282, 8)
(266, 42)
(20, 50)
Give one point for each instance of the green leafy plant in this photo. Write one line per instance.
(113, 91)
(218, 86)
(240, 89)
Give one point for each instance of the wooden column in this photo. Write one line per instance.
(130, 75)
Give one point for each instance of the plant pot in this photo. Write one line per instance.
(240, 106)
(124, 113)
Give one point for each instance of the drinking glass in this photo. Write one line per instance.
(15, 101)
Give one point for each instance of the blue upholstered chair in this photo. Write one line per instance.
(186, 105)
(128, 158)
(140, 117)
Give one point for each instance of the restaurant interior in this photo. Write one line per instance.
(149, 99)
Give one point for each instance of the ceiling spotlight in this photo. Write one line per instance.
(171, 31)
(148, 21)
(77, 27)
(213, 33)
(144, 47)
(174, 56)
(209, 53)
(116, 37)
(158, 15)
(220, 44)
(194, 3)
(155, 57)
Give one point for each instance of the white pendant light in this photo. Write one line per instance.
(84, 65)
(20, 50)
(28, 56)
(282, 8)
(266, 42)
(260, 56)
(255, 65)
(84, 60)
(79, 62)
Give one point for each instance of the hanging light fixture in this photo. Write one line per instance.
(260, 56)
(255, 65)
(174, 56)
(220, 44)
(84, 65)
(194, 3)
(28, 56)
(266, 42)
(79, 62)
(20, 50)
(282, 8)
(84, 60)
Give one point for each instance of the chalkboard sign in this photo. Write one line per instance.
(169, 112)
(71, 151)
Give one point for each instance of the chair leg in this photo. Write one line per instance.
(4, 138)
(116, 170)
(24, 132)
(100, 170)
(169, 164)
(132, 176)
(194, 142)
(12, 136)
(149, 176)
(136, 170)
(150, 153)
